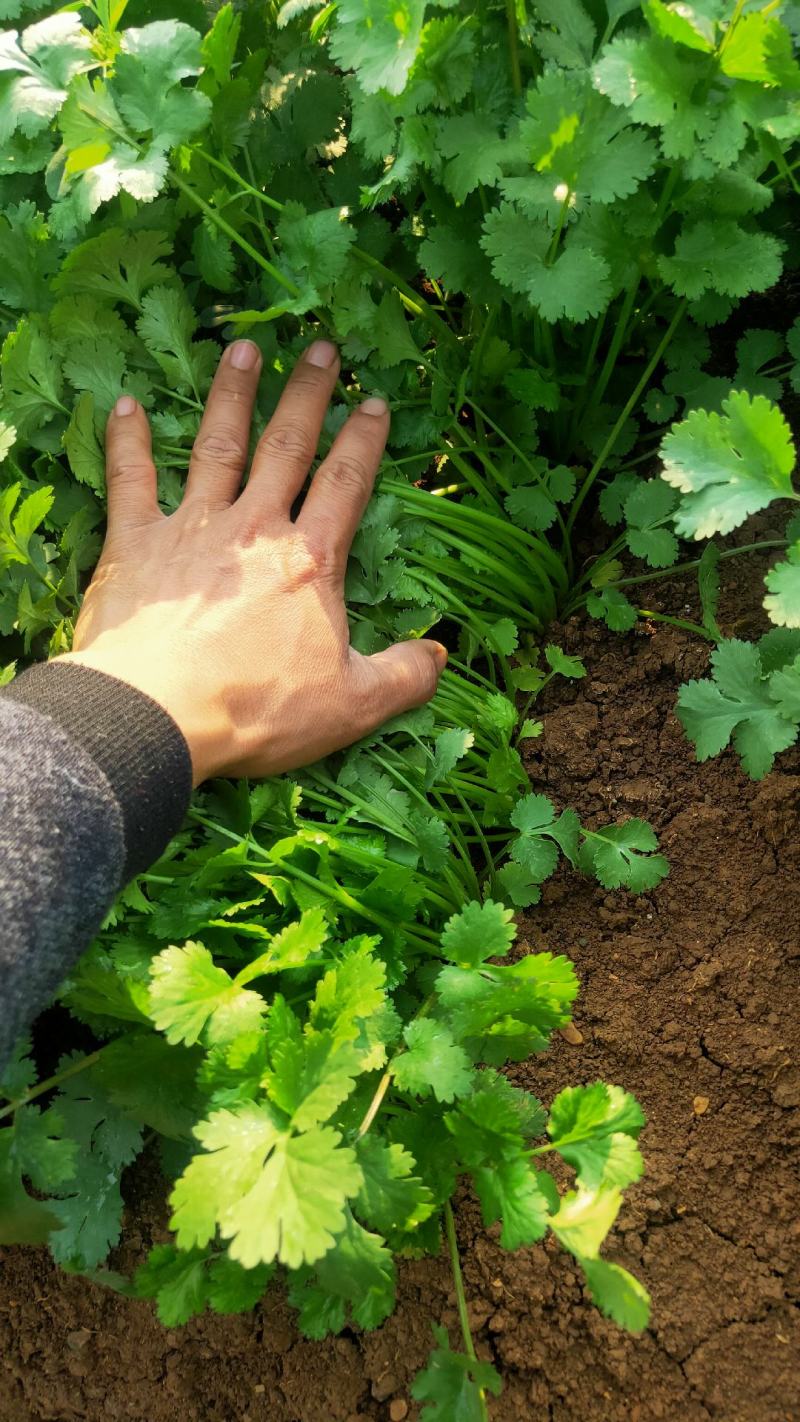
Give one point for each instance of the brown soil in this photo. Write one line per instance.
(690, 998)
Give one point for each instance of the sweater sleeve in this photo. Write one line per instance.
(95, 779)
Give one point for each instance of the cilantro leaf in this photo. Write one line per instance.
(735, 705)
(478, 932)
(505, 1013)
(274, 1195)
(433, 1062)
(722, 257)
(728, 466)
(510, 1191)
(354, 1280)
(184, 1282)
(311, 1075)
(451, 1385)
(379, 39)
(647, 507)
(190, 996)
(621, 856)
(614, 608)
(783, 589)
(595, 1129)
(576, 285)
(392, 1197)
(558, 661)
(617, 1294)
(584, 1218)
(35, 72)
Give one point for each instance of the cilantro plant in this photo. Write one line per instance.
(525, 224)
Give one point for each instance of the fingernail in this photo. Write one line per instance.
(374, 406)
(321, 353)
(441, 654)
(243, 355)
(125, 405)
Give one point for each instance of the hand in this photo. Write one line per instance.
(229, 614)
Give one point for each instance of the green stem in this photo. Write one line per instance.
(677, 622)
(52, 1081)
(461, 1297)
(225, 226)
(629, 406)
(513, 46)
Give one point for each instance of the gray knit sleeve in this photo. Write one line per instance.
(94, 779)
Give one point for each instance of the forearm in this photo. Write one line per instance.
(94, 779)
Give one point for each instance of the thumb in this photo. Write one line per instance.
(404, 676)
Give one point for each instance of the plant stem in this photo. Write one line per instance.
(513, 46)
(225, 226)
(677, 622)
(629, 406)
(461, 1297)
(51, 1081)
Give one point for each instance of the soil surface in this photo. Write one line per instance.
(690, 999)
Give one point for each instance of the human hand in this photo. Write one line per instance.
(226, 612)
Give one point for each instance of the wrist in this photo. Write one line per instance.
(205, 730)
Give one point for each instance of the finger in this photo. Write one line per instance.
(404, 676)
(289, 442)
(130, 471)
(342, 485)
(220, 450)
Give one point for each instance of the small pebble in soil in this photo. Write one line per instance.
(571, 1034)
(398, 1410)
(78, 1339)
(700, 1105)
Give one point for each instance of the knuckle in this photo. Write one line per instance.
(221, 446)
(289, 442)
(129, 473)
(304, 560)
(309, 378)
(347, 473)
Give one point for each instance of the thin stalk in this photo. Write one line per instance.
(628, 407)
(677, 622)
(513, 46)
(612, 354)
(461, 1297)
(52, 1081)
(225, 226)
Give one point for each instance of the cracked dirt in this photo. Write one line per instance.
(689, 998)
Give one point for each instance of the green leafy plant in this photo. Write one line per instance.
(520, 222)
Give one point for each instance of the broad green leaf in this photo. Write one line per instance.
(617, 1294)
(595, 1129)
(622, 856)
(478, 932)
(190, 996)
(735, 704)
(451, 1385)
(783, 590)
(392, 1196)
(728, 466)
(584, 1219)
(433, 1062)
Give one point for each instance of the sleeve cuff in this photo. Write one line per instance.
(132, 739)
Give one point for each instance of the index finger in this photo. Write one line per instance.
(341, 487)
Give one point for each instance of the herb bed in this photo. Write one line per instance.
(503, 217)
